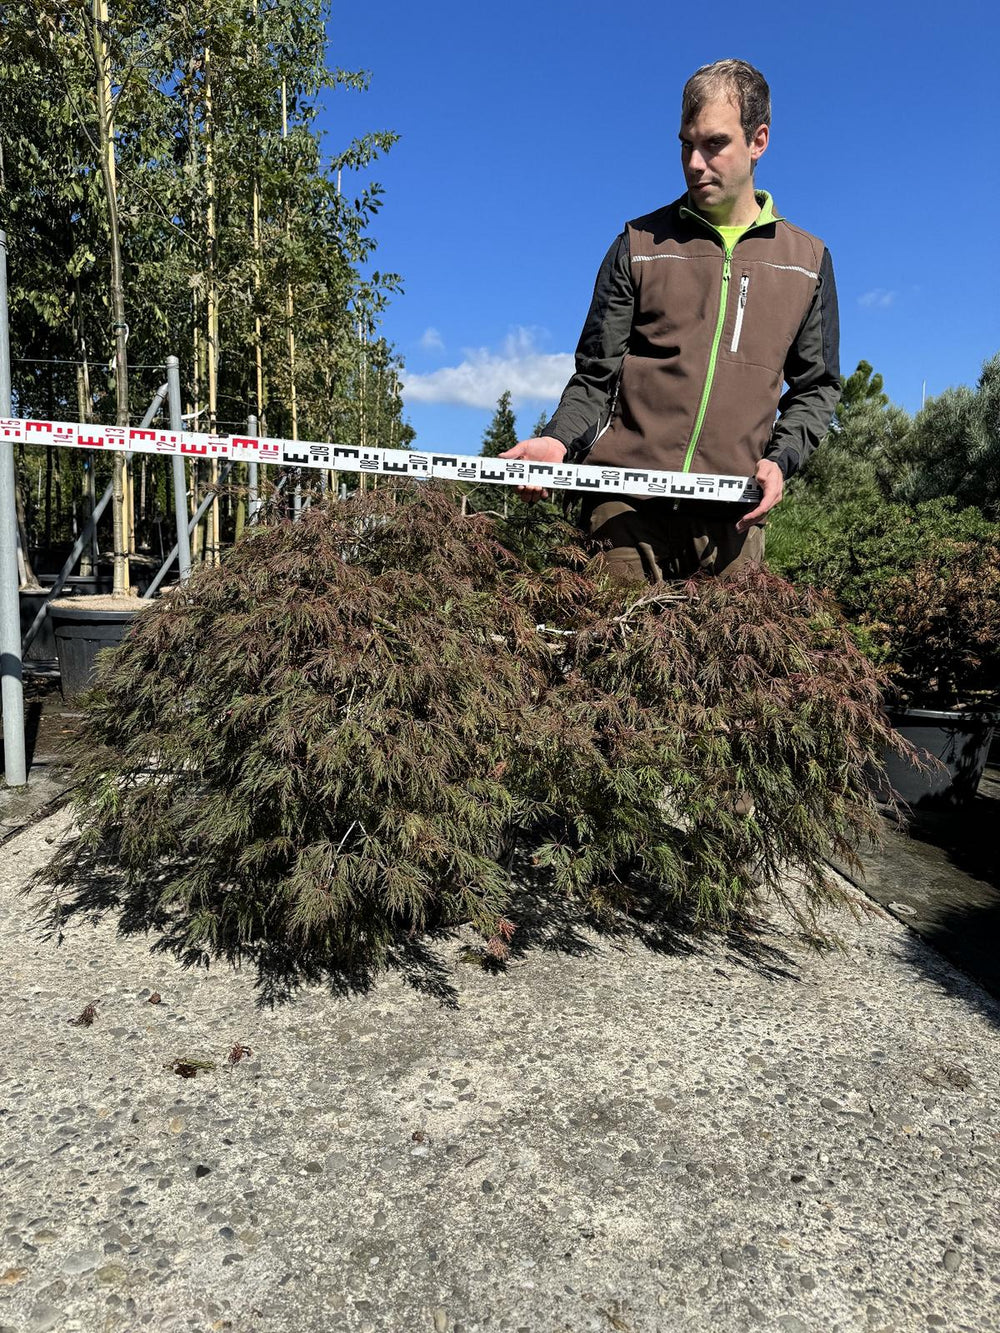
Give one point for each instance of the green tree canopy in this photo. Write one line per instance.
(501, 433)
(246, 243)
(955, 445)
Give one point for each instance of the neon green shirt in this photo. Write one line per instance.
(730, 235)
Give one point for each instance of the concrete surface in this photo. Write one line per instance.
(711, 1134)
(939, 872)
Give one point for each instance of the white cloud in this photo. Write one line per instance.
(480, 379)
(878, 298)
(431, 340)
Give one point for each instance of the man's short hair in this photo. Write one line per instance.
(736, 81)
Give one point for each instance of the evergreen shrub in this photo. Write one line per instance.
(920, 587)
(387, 716)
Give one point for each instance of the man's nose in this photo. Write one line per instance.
(695, 161)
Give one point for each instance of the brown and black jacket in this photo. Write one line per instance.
(685, 350)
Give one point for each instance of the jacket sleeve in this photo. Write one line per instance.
(812, 374)
(601, 348)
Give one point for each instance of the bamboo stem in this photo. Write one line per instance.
(212, 525)
(106, 133)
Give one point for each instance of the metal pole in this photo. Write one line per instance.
(253, 503)
(193, 522)
(183, 547)
(85, 535)
(11, 670)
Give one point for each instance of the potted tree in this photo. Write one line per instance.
(83, 626)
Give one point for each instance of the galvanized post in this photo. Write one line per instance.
(253, 502)
(11, 670)
(193, 522)
(180, 478)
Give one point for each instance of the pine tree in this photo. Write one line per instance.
(501, 433)
(540, 424)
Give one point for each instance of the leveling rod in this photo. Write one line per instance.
(382, 462)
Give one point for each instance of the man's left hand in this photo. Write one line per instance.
(772, 483)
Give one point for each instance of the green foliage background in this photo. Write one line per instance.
(898, 518)
(204, 92)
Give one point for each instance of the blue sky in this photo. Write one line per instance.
(531, 131)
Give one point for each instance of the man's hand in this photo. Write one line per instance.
(542, 449)
(772, 483)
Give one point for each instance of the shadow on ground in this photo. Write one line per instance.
(938, 871)
(544, 922)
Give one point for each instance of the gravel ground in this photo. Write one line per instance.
(608, 1137)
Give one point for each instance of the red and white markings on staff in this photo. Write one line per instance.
(381, 462)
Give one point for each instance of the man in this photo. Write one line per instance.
(701, 311)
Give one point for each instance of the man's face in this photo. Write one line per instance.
(717, 159)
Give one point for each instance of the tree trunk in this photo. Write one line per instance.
(108, 175)
(27, 573)
(88, 561)
(212, 553)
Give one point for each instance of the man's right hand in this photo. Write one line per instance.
(542, 449)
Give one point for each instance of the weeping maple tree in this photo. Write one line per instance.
(388, 717)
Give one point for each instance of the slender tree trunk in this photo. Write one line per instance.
(57, 487)
(27, 573)
(47, 523)
(197, 367)
(108, 176)
(289, 295)
(84, 398)
(197, 550)
(258, 327)
(211, 313)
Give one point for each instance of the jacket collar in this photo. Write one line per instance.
(768, 213)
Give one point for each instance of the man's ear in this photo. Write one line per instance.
(759, 143)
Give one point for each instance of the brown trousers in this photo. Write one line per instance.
(661, 541)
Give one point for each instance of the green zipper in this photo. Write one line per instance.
(766, 215)
(712, 357)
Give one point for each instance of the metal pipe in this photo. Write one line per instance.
(253, 503)
(11, 668)
(183, 546)
(85, 535)
(196, 518)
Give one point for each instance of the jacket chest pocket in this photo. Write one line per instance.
(741, 306)
(770, 304)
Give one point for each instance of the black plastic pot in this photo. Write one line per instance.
(88, 585)
(81, 632)
(961, 741)
(42, 647)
